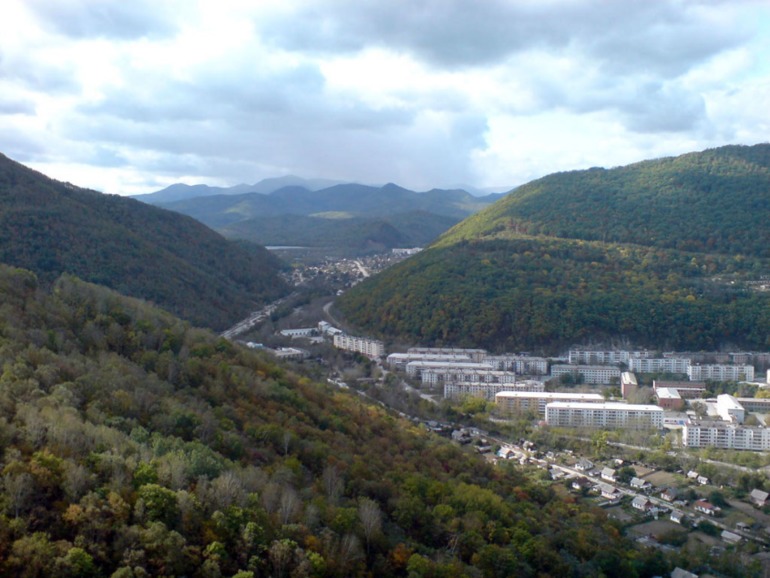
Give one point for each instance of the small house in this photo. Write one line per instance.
(730, 537)
(642, 504)
(758, 497)
(640, 484)
(680, 573)
(581, 483)
(677, 516)
(692, 475)
(669, 494)
(706, 507)
(608, 474)
(584, 465)
(703, 480)
(609, 492)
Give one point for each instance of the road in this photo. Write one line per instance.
(361, 268)
(255, 318)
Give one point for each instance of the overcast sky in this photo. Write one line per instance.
(129, 96)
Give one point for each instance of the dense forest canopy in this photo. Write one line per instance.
(172, 260)
(668, 253)
(135, 445)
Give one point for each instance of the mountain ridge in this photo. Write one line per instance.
(665, 252)
(53, 228)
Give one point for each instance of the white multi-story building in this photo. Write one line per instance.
(593, 357)
(369, 347)
(721, 372)
(436, 376)
(475, 354)
(729, 409)
(596, 374)
(511, 402)
(399, 361)
(726, 436)
(521, 364)
(416, 368)
(755, 404)
(658, 364)
(455, 390)
(609, 415)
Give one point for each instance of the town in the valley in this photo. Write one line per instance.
(658, 430)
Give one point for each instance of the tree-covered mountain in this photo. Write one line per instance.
(340, 215)
(134, 445)
(414, 229)
(181, 191)
(51, 228)
(669, 253)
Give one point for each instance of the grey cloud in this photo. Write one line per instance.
(121, 19)
(627, 36)
(16, 106)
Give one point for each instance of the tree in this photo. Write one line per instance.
(370, 516)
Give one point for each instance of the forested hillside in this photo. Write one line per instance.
(169, 259)
(355, 217)
(670, 253)
(135, 445)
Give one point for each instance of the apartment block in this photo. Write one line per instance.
(512, 402)
(658, 364)
(686, 389)
(369, 347)
(489, 391)
(721, 372)
(521, 364)
(592, 374)
(609, 415)
(399, 361)
(594, 357)
(726, 436)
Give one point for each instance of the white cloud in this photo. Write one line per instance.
(129, 96)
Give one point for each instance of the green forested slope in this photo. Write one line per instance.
(668, 253)
(134, 445)
(172, 260)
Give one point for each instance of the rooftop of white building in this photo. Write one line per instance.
(667, 393)
(606, 405)
(551, 395)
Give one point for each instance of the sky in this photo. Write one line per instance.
(127, 97)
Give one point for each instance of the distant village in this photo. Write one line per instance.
(586, 388)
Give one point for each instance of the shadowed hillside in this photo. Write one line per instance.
(52, 228)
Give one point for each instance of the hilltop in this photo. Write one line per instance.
(665, 253)
(351, 216)
(174, 261)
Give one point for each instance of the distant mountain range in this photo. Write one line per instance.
(352, 216)
(180, 191)
(671, 253)
(52, 228)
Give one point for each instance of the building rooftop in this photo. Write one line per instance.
(606, 405)
(551, 395)
(667, 393)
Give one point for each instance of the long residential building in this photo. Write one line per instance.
(609, 415)
(489, 391)
(726, 436)
(512, 402)
(721, 372)
(399, 361)
(369, 347)
(438, 375)
(595, 374)
(658, 364)
(521, 364)
(594, 357)
(416, 368)
(755, 404)
(475, 354)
